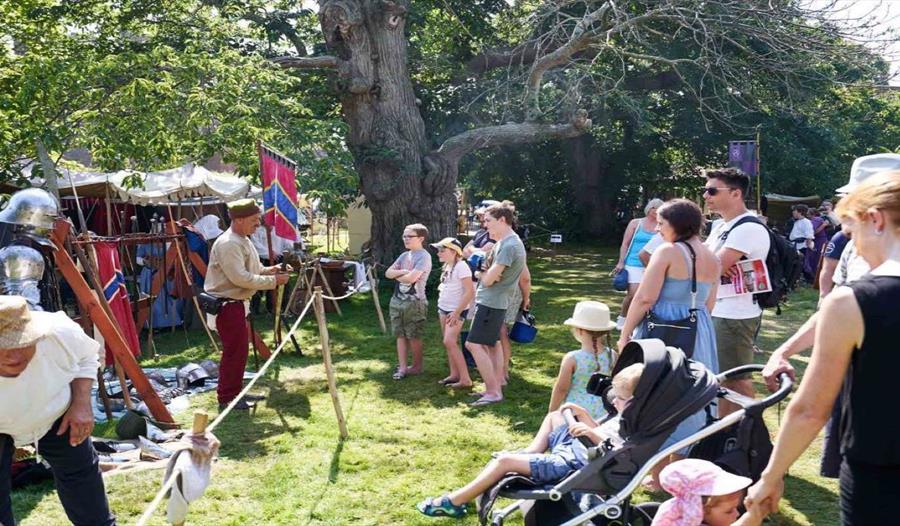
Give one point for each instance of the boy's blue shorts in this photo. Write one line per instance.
(560, 461)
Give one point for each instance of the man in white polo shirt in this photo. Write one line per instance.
(736, 319)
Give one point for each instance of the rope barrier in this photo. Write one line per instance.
(168, 484)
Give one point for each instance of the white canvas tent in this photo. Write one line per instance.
(163, 187)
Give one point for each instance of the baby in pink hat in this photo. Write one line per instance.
(703, 494)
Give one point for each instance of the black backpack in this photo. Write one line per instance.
(783, 263)
(743, 448)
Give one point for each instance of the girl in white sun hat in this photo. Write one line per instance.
(591, 326)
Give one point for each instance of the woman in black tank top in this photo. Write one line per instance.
(855, 346)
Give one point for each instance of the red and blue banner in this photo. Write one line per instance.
(110, 270)
(280, 202)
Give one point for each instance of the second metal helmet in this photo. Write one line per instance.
(32, 208)
(21, 269)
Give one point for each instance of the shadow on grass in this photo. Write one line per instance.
(26, 499)
(815, 502)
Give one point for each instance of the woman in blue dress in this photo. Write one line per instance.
(666, 290)
(166, 309)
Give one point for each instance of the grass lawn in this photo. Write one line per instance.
(410, 439)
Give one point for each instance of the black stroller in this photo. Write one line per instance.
(670, 389)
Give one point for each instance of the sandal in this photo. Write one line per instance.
(459, 386)
(484, 401)
(441, 507)
(399, 375)
(448, 381)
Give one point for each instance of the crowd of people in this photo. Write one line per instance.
(674, 274)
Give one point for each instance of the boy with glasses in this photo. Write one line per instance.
(409, 304)
(737, 318)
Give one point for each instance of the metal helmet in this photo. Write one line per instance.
(21, 269)
(32, 208)
(211, 367)
(191, 375)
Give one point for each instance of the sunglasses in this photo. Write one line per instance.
(713, 190)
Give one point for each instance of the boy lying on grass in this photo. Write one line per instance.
(553, 454)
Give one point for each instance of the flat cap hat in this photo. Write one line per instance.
(242, 208)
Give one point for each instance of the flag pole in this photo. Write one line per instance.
(758, 175)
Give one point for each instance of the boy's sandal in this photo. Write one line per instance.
(441, 507)
(484, 401)
(399, 375)
(447, 381)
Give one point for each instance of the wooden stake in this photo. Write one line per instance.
(201, 419)
(326, 357)
(104, 395)
(374, 287)
(123, 383)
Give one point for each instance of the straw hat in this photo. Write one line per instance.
(591, 316)
(867, 166)
(17, 328)
(449, 242)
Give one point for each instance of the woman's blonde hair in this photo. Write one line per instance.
(881, 191)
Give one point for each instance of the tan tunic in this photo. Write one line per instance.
(234, 269)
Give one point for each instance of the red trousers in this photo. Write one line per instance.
(231, 323)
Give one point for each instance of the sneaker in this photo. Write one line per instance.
(620, 323)
(243, 405)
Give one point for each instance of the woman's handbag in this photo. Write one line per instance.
(678, 333)
(620, 280)
(524, 329)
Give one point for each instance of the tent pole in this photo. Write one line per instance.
(109, 224)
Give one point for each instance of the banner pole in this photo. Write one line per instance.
(758, 174)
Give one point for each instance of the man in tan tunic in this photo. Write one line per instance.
(235, 274)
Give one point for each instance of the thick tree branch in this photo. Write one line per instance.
(318, 62)
(458, 146)
(582, 37)
(502, 58)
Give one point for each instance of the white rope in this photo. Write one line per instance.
(345, 296)
(167, 485)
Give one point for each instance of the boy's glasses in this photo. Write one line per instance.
(713, 190)
(410, 237)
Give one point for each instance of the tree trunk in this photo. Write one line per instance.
(387, 134)
(594, 195)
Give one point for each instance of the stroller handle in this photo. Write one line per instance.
(570, 420)
(785, 384)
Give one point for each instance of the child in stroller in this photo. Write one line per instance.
(557, 437)
(670, 389)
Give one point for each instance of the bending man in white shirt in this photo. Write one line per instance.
(47, 367)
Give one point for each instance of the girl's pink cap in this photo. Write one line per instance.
(688, 481)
